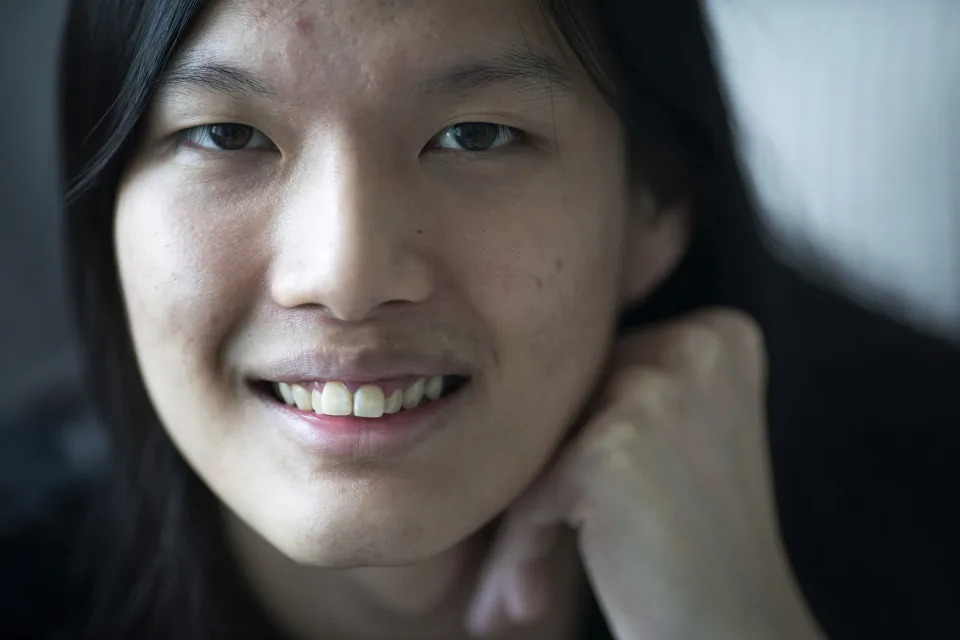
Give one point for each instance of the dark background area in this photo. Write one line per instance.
(35, 343)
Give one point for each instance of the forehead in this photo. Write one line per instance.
(376, 18)
(376, 44)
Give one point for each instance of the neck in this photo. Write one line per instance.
(425, 600)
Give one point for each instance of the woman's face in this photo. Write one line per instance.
(352, 235)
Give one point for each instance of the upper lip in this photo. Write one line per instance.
(367, 365)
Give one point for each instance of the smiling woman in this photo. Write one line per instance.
(349, 279)
(348, 249)
(320, 212)
(295, 259)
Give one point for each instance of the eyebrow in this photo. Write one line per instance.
(187, 74)
(527, 68)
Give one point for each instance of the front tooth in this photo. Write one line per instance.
(368, 402)
(286, 393)
(394, 402)
(301, 397)
(413, 395)
(434, 388)
(336, 399)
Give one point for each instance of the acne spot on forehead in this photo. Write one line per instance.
(304, 25)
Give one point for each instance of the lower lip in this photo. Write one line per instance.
(350, 437)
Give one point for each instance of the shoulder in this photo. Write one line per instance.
(50, 457)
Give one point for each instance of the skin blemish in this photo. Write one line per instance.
(539, 283)
(304, 25)
(558, 265)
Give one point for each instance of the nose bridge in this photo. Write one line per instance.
(342, 242)
(342, 200)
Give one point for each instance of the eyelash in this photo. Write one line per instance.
(506, 136)
(202, 137)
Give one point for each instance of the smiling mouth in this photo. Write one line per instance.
(363, 400)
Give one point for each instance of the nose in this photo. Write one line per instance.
(346, 241)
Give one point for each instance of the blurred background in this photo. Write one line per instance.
(846, 112)
(35, 346)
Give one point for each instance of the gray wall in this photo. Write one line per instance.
(34, 342)
(848, 116)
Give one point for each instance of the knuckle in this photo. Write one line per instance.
(614, 446)
(699, 347)
(740, 327)
(737, 334)
(651, 391)
(616, 437)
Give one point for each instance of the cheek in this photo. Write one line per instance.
(547, 261)
(187, 264)
(544, 272)
(546, 267)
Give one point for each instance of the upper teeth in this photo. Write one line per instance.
(369, 401)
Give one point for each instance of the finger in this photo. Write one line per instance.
(514, 580)
(529, 592)
(698, 342)
(486, 613)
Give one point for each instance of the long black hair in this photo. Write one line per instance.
(156, 546)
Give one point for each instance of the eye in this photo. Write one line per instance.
(476, 137)
(226, 136)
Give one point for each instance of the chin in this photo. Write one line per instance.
(351, 541)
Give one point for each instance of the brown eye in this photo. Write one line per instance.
(226, 136)
(476, 137)
(231, 137)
